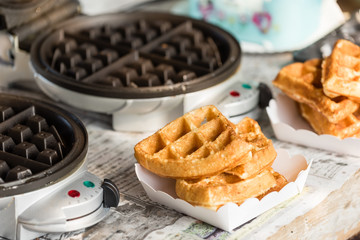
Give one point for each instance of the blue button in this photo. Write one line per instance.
(89, 184)
(246, 86)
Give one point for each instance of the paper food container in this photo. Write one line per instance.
(162, 190)
(289, 126)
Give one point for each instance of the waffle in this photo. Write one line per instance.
(218, 190)
(199, 144)
(348, 127)
(263, 152)
(280, 183)
(302, 82)
(341, 71)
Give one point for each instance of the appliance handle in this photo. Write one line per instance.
(48, 19)
(111, 194)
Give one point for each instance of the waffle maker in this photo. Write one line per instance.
(44, 183)
(142, 67)
(134, 66)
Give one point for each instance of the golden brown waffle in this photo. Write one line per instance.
(263, 151)
(199, 144)
(216, 191)
(280, 183)
(348, 127)
(302, 82)
(341, 71)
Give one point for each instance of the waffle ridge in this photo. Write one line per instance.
(347, 127)
(341, 71)
(254, 177)
(213, 161)
(218, 190)
(302, 83)
(263, 151)
(201, 143)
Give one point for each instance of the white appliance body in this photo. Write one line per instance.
(231, 97)
(63, 206)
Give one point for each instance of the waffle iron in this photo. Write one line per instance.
(142, 66)
(133, 66)
(44, 183)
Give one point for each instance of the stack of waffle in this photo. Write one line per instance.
(213, 160)
(327, 90)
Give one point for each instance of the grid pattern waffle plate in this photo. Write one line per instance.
(39, 143)
(135, 55)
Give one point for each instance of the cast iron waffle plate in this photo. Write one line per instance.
(135, 55)
(39, 144)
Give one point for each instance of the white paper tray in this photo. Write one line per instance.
(289, 126)
(162, 190)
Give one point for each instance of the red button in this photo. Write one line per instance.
(235, 93)
(73, 193)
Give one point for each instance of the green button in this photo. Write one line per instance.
(89, 184)
(247, 86)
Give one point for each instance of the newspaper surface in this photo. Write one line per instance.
(111, 155)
